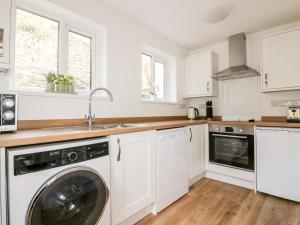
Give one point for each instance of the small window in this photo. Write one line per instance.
(36, 49)
(153, 78)
(80, 47)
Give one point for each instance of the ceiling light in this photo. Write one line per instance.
(216, 12)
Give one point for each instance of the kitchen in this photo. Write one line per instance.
(135, 150)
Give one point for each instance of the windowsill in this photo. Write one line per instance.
(57, 95)
(156, 101)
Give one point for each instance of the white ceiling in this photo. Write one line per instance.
(180, 20)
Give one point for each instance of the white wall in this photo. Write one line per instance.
(125, 40)
(243, 97)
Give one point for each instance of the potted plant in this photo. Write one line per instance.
(60, 83)
(51, 77)
(153, 93)
(70, 84)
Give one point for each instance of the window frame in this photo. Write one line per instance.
(155, 59)
(68, 21)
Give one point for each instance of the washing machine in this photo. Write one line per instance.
(59, 184)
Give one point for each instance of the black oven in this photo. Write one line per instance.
(232, 146)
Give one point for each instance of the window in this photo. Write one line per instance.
(80, 49)
(48, 41)
(36, 49)
(153, 78)
(146, 75)
(159, 80)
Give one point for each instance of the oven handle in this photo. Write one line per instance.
(230, 136)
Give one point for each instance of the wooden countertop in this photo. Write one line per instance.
(38, 136)
(48, 135)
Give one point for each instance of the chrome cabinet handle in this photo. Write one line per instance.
(1, 42)
(207, 86)
(266, 79)
(191, 137)
(119, 146)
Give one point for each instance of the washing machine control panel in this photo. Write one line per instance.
(83, 153)
(35, 162)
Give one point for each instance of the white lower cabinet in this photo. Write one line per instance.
(278, 157)
(133, 165)
(172, 166)
(197, 144)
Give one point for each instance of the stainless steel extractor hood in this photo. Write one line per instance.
(237, 60)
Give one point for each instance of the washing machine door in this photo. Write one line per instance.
(76, 196)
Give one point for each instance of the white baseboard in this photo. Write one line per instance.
(138, 216)
(161, 204)
(196, 178)
(230, 180)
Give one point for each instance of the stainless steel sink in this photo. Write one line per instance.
(95, 127)
(111, 126)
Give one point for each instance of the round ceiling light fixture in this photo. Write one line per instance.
(216, 12)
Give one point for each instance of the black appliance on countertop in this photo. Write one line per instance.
(209, 110)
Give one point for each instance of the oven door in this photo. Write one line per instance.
(234, 150)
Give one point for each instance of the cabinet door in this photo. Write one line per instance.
(198, 73)
(278, 168)
(197, 145)
(172, 166)
(5, 9)
(280, 67)
(133, 173)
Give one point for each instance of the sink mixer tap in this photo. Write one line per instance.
(90, 118)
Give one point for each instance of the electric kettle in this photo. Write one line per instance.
(193, 113)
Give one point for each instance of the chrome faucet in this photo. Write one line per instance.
(90, 119)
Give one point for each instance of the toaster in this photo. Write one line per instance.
(8, 112)
(293, 114)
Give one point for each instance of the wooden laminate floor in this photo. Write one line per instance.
(211, 202)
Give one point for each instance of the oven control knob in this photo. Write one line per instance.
(217, 129)
(8, 116)
(8, 103)
(241, 130)
(72, 156)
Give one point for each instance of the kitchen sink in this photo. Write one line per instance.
(95, 127)
(110, 126)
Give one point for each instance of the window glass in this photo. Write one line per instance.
(146, 75)
(80, 59)
(159, 80)
(36, 49)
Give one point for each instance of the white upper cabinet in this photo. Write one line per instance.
(197, 145)
(133, 160)
(5, 10)
(280, 61)
(199, 69)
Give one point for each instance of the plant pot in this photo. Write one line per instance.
(50, 87)
(61, 88)
(70, 89)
